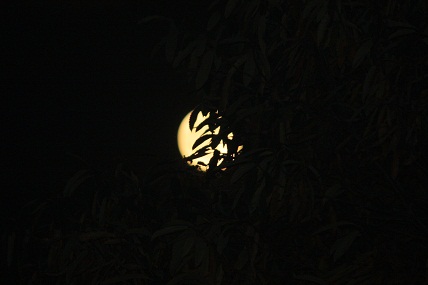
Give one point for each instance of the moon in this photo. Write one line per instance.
(186, 138)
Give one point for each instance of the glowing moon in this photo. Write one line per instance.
(186, 138)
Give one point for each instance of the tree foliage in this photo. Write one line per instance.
(329, 99)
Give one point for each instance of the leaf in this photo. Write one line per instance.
(102, 212)
(396, 24)
(294, 208)
(368, 80)
(309, 7)
(213, 20)
(183, 247)
(201, 45)
(231, 4)
(154, 18)
(220, 273)
(340, 247)
(255, 201)
(71, 268)
(201, 251)
(315, 172)
(192, 119)
(182, 54)
(333, 226)
(242, 259)
(261, 33)
(204, 68)
(241, 171)
(334, 191)
(169, 230)
(401, 33)
(200, 152)
(291, 162)
(310, 278)
(180, 250)
(362, 53)
(215, 142)
(222, 242)
(10, 248)
(125, 277)
(171, 45)
(201, 140)
(322, 27)
(78, 179)
(213, 4)
(249, 70)
(206, 122)
(238, 196)
(141, 231)
(95, 235)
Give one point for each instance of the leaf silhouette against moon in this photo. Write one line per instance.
(195, 137)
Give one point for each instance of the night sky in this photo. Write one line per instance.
(80, 81)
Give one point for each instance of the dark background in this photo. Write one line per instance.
(81, 87)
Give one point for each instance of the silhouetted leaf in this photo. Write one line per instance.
(255, 201)
(201, 140)
(180, 249)
(334, 191)
(243, 258)
(369, 80)
(314, 171)
(213, 20)
(124, 278)
(231, 4)
(249, 70)
(71, 268)
(201, 252)
(206, 122)
(219, 276)
(140, 231)
(201, 46)
(213, 4)
(200, 152)
(169, 230)
(10, 247)
(184, 53)
(95, 235)
(214, 160)
(171, 44)
(193, 118)
(222, 242)
(78, 179)
(311, 279)
(401, 33)
(322, 28)
(340, 247)
(154, 18)
(241, 171)
(362, 53)
(308, 9)
(334, 226)
(204, 69)
(397, 24)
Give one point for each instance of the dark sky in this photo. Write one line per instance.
(80, 81)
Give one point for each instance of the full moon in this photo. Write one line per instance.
(186, 138)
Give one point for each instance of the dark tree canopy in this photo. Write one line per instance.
(330, 100)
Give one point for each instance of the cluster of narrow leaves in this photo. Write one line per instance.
(330, 100)
(90, 233)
